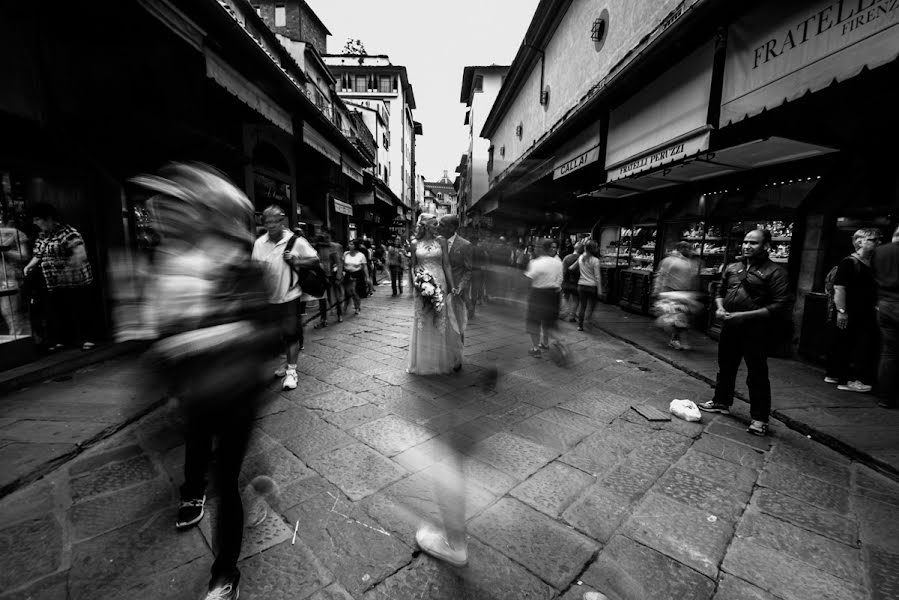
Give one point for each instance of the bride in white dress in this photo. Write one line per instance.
(435, 346)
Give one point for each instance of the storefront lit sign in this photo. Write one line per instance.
(662, 156)
(781, 50)
(343, 208)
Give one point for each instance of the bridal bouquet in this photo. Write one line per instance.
(430, 290)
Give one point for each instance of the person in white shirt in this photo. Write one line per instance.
(545, 273)
(589, 285)
(271, 250)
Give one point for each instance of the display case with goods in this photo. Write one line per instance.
(635, 281)
(612, 257)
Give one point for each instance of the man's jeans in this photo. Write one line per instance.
(853, 350)
(748, 341)
(888, 371)
(396, 279)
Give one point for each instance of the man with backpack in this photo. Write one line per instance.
(281, 254)
(852, 317)
(753, 293)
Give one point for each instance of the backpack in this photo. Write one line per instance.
(312, 280)
(828, 285)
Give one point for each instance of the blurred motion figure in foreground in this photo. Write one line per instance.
(206, 305)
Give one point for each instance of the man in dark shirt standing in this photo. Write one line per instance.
(753, 292)
(885, 265)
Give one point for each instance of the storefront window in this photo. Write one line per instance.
(15, 252)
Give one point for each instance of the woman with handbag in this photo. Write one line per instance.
(61, 257)
(356, 282)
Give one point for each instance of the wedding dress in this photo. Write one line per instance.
(435, 345)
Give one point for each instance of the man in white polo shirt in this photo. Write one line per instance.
(271, 250)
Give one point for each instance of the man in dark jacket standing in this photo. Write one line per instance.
(753, 293)
(885, 265)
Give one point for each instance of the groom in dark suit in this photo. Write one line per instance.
(461, 255)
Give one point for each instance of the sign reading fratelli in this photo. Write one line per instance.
(781, 50)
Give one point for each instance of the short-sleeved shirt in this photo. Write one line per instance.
(55, 251)
(271, 255)
(858, 279)
(590, 274)
(545, 272)
(885, 267)
(352, 263)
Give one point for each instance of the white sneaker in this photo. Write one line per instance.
(290, 380)
(433, 541)
(855, 386)
(281, 371)
(831, 380)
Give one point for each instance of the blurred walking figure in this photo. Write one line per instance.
(62, 269)
(330, 254)
(570, 277)
(460, 260)
(280, 252)
(885, 265)
(14, 248)
(356, 282)
(206, 302)
(479, 263)
(396, 263)
(675, 291)
(545, 273)
(589, 283)
(852, 319)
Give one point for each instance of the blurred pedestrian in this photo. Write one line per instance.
(279, 259)
(570, 275)
(208, 306)
(479, 264)
(356, 281)
(60, 258)
(396, 263)
(545, 273)
(675, 291)
(14, 247)
(752, 294)
(330, 255)
(852, 319)
(885, 266)
(589, 283)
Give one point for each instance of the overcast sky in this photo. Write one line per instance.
(434, 41)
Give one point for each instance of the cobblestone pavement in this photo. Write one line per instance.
(569, 489)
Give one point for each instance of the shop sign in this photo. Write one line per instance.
(579, 152)
(581, 160)
(343, 208)
(781, 50)
(661, 156)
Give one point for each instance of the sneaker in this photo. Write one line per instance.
(320, 325)
(542, 346)
(280, 372)
(855, 386)
(433, 541)
(88, 346)
(190, 512)
(712, 406)
(675, 344)
(535, 352)
(831, 380)
(758, 428)
(225, 591)
(290, 380)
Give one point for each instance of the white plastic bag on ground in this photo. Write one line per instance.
(685, 409)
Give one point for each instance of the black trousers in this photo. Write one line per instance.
(232, 428)
(70, 315)
(748, 342)
(396, 279)
(888, 371)
(853, 351)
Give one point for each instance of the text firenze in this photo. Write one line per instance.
(847, 14)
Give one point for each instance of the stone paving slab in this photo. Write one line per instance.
(52, 432)
(785, 576)
(548, 434)
(734, 588)
(512, 454)
(812, 549)
(658, 576)
(279, 463)
(552, 551)
(553, 488)
(808, 489)
(628, 482)
(697, 491)
(878, 524)
(257, 536)
(181, 583)
(353, 417)
(882, 573)
(721, 471)
(102, 513)
(875, 486)
(692, 537)
(357, 470)
(730, 451)
(29, 550)
(317, 438)
(391, 435)
(113, 476)
(284, 572)
(18, 461)
(599, 512)
(806, 516)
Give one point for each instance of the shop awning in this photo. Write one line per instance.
(751, 155)
(664, 122)
(781, 50)
(317, 141)
(352, 169)
(578, 152)
(248, 93)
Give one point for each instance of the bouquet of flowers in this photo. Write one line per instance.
(429, 290)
